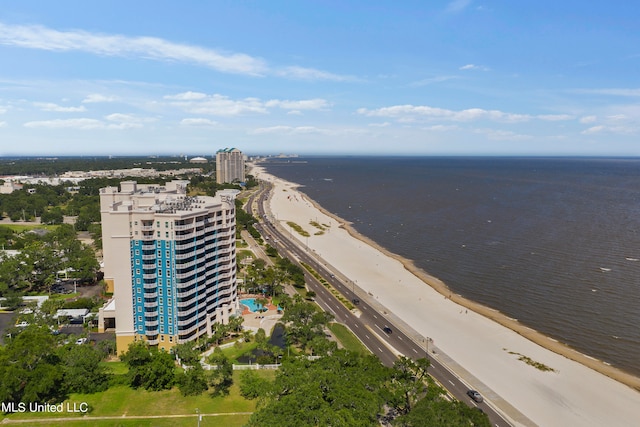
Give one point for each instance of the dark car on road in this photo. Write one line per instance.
(475, 395)
(387, 330)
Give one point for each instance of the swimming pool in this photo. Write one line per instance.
(251, 304)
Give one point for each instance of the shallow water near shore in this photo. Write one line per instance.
(550, 242)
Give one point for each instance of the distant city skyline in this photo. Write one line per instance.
(461, 77)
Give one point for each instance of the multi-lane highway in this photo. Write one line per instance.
(374, 328)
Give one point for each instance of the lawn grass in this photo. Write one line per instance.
(122, 401)
(18, 228)
(237, 420)
(347, 339)
(238, 350)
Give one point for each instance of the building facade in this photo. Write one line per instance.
(170, 261)
(229, 166)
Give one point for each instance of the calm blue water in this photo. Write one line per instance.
(251, 304)
(553, 242)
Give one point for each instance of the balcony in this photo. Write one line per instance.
(151, 285)
(181, 227)
(187, 294)
(186, 304)
(183, 246)
(187, 275)
(152, 305)
(149, 276)
(146, 227)
(188, 312)
(185, 236)
(184, 256)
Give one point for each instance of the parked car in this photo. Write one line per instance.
(475, 395)
(80, 341)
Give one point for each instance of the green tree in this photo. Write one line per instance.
(252, 385)
(342, 390)
(304, 321)
(192, 381)
(83, 372)
(187, 354)
(148, 367)
(160, 373)
(435, 410)
(220, 378)
(30, 369)
(52, 216)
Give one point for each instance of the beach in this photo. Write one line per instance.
(491, 352)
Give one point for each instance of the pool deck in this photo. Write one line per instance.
(265, 320)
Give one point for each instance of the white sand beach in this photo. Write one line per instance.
(484, 352)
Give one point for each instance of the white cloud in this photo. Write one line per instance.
(43, 38)
(128, 119)
(502, 135)
(66, 123)
(593, 129)
(289, 130)
(474, 67)
(302, 73)
(305, 104)
(39, 37)
(440, 128)
(49, 106)
(555, 117)
(3, 124)
(220, 105)
(617, 117)
(410, 113)
(85, 123)
(588, 119)
(457, 6)
(380, 125)
(96, 97)
(432, 80)
(186, 96)
(198, 122)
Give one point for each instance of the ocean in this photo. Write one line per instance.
(552, 242)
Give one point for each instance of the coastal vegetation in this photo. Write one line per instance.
(326, 284)
(320, 227)
(301, 231)
(531, 362)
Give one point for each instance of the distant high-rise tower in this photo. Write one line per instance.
(229, 165)
(170, 261)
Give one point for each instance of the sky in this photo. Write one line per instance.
(457, 77)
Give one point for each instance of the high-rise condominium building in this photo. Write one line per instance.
(229, 165)
(169, 260)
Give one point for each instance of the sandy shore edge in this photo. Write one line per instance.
(490, 313)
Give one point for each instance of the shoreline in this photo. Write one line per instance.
(527, 332)
(491, 352)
